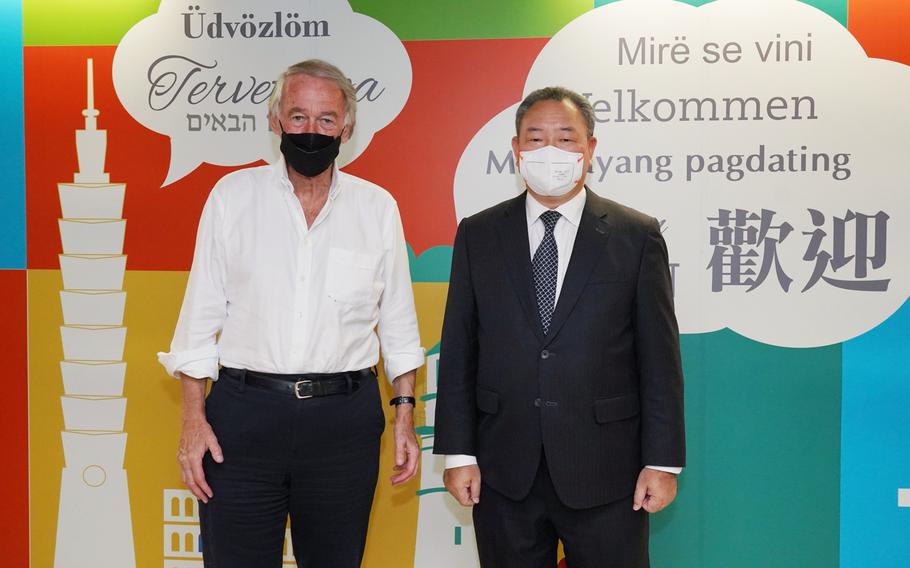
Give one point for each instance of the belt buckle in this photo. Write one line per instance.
(308, 383)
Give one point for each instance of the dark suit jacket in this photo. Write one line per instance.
(601, 393)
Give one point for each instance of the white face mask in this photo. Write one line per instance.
(550, 171)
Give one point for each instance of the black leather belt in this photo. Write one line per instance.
(305, 385)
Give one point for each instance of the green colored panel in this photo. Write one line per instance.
(692, 2)
(837, 9)
(473, 19)
(86, 22)
(103, 22)
(762, 483)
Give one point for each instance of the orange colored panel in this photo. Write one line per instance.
(881, 28)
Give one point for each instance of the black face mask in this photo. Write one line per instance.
(309, 153)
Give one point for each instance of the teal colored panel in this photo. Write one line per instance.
(434, 265)
(762, 484)
(837, 9)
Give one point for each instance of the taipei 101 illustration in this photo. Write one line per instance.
(94, 528)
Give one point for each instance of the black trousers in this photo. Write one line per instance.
(314, 459)
(525, 534)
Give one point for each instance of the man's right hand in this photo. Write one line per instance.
(464, 484)
(197, 438)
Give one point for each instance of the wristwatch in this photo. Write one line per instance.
(403, 400)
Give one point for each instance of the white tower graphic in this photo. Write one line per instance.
(182, 544)
(93, 524)
(445, 532)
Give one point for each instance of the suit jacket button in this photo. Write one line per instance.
(537, 402)
(544, 354)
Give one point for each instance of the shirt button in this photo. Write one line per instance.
(544, 354)
(537, 402)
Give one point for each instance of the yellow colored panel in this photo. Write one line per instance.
(152, 420)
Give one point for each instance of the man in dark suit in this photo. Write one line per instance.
(560, 392)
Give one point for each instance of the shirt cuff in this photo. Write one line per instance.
(460, 460)
(400, 363)
(668, 469)
(196, 363)
(194, 372)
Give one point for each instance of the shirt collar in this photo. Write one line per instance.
(571, 209)
(280, 170)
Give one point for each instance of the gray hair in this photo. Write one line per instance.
(323, 70)
(557, 94)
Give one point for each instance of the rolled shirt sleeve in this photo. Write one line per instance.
(194, 348)
(399, 337)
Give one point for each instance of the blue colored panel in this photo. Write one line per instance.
(12, 139)
(875, 438)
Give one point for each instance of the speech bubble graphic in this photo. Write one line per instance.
(771, 147)
(201, 73)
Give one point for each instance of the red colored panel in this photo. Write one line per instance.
(881, 28)
(458, 86)
(161, 223)
(14, 419)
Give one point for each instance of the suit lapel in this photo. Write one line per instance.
(593, 232)
(513, 237)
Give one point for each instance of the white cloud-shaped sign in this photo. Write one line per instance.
(762, 135)
(201, 73)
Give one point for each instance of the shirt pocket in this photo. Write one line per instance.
(351, 277)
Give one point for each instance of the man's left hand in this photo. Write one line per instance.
(407, 451)
(654, 491)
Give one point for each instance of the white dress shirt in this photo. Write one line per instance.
(564, 234)
(267, 293)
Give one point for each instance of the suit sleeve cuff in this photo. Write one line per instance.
(460, 460)
(673, 470)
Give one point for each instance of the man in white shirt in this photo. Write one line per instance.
(300, 278)
(560, 406)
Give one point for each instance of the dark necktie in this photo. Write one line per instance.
(545, 264)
